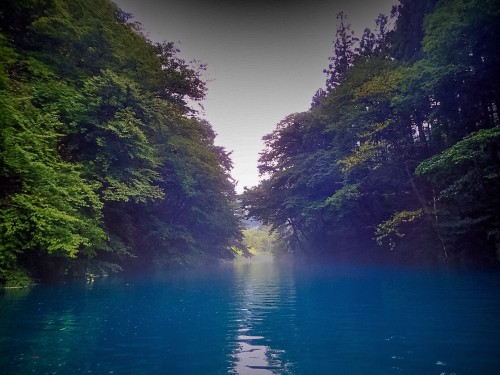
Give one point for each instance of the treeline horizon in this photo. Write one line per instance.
(399, 154)
(103, 165)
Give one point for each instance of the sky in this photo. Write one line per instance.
(265, 59)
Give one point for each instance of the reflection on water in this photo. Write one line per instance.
(263, 294)
(252, 359)
(258, 319)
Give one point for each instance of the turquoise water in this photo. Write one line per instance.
(256, 319)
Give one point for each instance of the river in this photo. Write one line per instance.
(258, 318)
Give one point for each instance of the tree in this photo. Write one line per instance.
(466, 177)
(101, 158)
(343, 53)
(48, 209)
(406, 38)
(402, 148)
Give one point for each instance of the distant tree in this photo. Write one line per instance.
(343, 53)
(375, 44)
(382, 32)
(319, 95)
(367, 44)
(259, 240)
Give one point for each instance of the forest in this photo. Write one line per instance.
(399, 156)
(105, 164)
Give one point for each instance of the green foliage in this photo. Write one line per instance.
(259, 240)
(15, 278)
(406, 38)
(401, 149)
(341, 198)
(391, 230)
(462, 156)
(100, 166)
(54, 209)
(366, 154)
(8, 57)
(201, 196)
(466, 178)
(115, 145)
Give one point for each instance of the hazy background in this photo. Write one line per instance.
(265, 59)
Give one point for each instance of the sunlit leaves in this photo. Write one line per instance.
(55, 209)
(464, 154)
(390, 231)
(338, 201)
(367, 154)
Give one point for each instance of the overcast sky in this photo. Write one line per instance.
(265, 59)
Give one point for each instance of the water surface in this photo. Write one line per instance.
(259, 318)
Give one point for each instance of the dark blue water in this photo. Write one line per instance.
(258, 319)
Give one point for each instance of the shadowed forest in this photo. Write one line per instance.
(105, 165)
(399, 155)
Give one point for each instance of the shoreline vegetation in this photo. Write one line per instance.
(105, 167)
(399, 157)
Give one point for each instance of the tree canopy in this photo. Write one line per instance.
(400, 151)
(103, 164)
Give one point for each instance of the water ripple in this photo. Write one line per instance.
(258, 319)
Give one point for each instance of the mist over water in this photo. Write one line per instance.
(258, 317)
